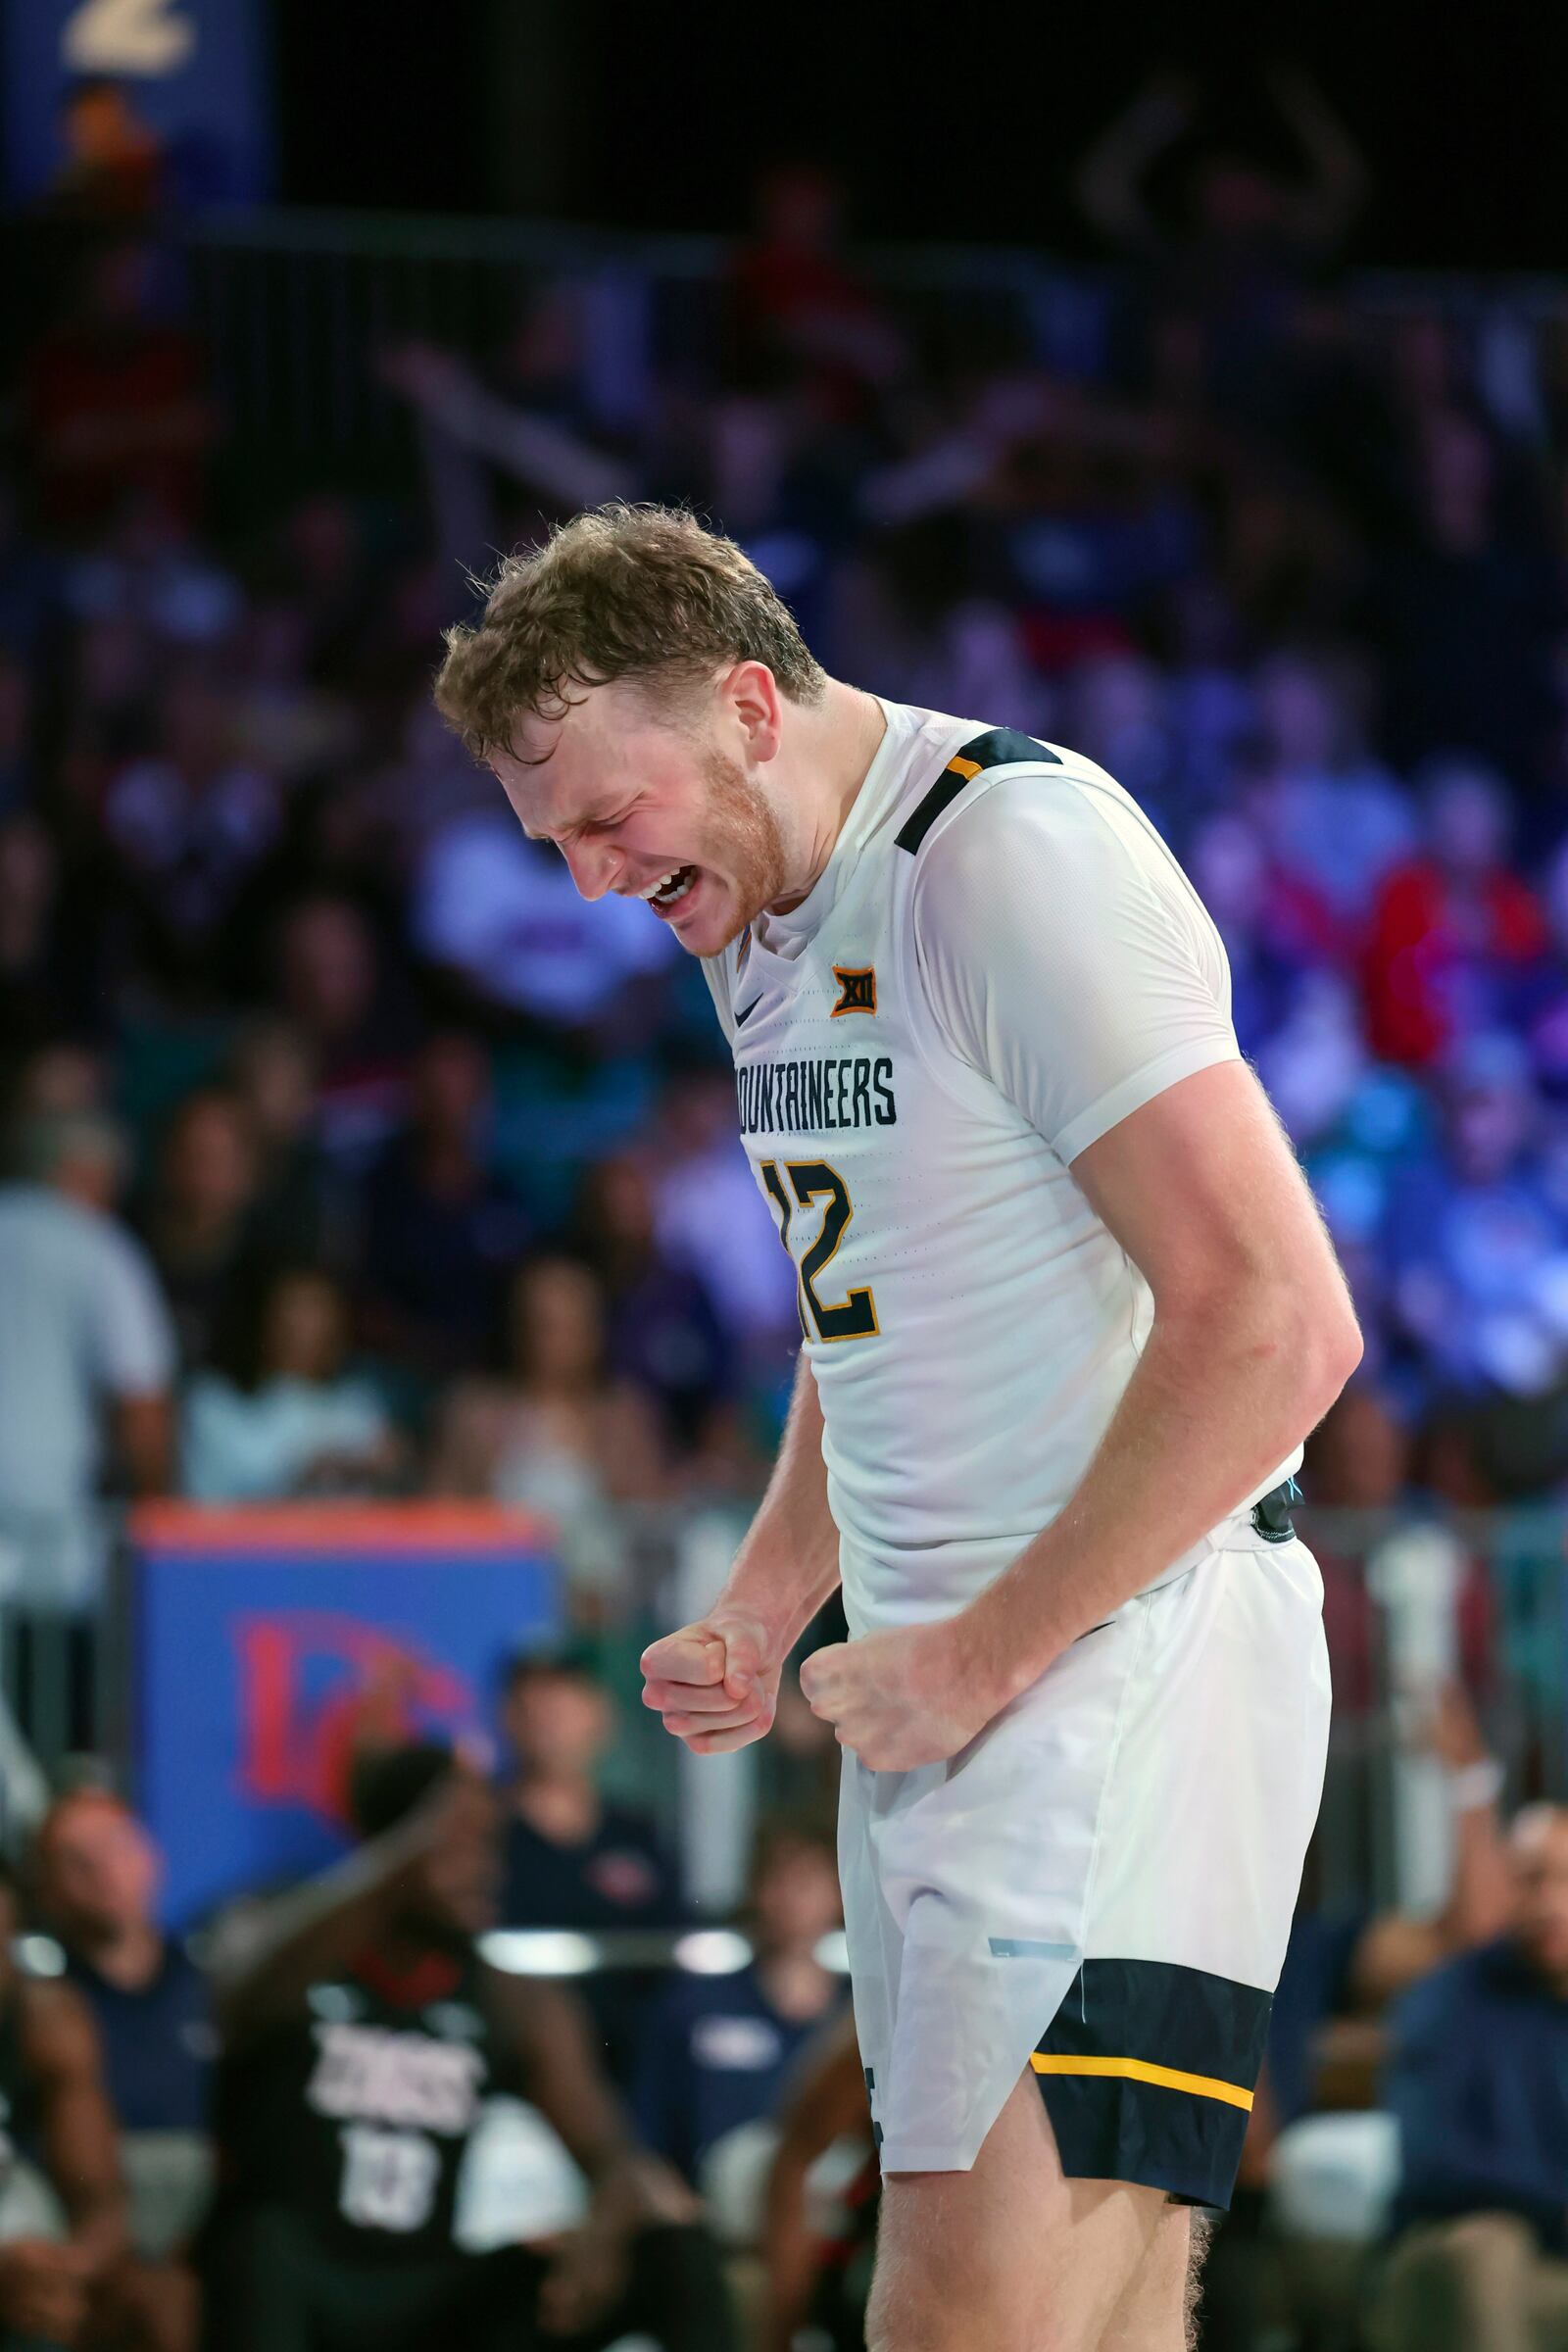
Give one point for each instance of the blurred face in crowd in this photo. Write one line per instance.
(329, 963)
(1300, 716)
(98, 1869)
(558, 1722)
(666, 806)
(1467, 822)
(28, 873)
(305, 1334)
(272, 1075)
(556, 1324)
(1539, 1851)
(1491, 1118)
(209, 1165)
(457, 1885)
(795, 1898)
(451, 1087)
(1360, 1454)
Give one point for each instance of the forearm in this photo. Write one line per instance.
(267, 1961)
(1217, 1400)
(788, 1563)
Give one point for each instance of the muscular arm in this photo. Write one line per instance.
(545, 2029)
(829, 2104)
(81, 2148)
(716, 1683)
(1253, 1337)
(266, 1958)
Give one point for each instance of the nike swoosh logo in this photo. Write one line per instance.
(741, 1018)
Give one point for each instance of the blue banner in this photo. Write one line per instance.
(191, 71)
(262, 1640)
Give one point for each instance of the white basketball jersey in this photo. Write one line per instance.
(969, 1320)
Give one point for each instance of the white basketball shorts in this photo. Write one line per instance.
(1100, 1886)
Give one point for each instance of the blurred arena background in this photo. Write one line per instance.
(391, 1338)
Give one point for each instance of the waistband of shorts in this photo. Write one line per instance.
(1269, 1517)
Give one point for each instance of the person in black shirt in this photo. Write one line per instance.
(362, 2035)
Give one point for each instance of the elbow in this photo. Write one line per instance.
(1327, 1346)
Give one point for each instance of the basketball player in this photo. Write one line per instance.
(1067, 1313)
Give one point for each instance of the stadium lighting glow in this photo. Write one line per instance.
(539, 1952)
(711, 1952)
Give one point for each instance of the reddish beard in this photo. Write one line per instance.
(745, 831)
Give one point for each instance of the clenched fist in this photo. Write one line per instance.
(716, 1683)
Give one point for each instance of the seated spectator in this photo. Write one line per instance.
(716, 2051)
(301, 1208)
(196, 1222)
(361, 2036)
(556, 1432)
(1478, 2078)
(279, 1414)
(86, 1358)
(663, 1329)
(440, 1231)
(572, 1858)
(189, 825)
(1452, 931)
(329, 989)
(97, 1876)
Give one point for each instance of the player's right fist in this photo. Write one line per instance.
(714, 1683)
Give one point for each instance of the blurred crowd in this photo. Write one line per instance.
(368, 1160)
(347, 1153)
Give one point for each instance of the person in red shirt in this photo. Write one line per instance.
(1449, 929)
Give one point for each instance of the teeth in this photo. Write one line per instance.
(654, 887)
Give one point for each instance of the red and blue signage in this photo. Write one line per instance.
(265, 1643)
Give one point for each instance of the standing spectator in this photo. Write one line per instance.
(97, 1879)
(1477, 2077)
(197, 1221)
(440, 1231)
(715, 2051)
(279, 1414)
(1451, 930)
(87, 1358)
(361, 2036)
(556, 1433)
(573, 1859)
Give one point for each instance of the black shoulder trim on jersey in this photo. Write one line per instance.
(998, 746)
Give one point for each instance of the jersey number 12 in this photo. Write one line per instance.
(853, 1318)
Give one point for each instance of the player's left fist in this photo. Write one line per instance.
(898, 1698)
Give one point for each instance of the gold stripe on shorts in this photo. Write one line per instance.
(1138, 2070)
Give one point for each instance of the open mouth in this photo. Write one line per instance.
(674, 887)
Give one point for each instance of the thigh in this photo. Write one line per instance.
(1012, 2253)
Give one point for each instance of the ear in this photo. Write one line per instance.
(750, 693)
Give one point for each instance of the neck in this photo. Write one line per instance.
(563, 1807)
(128, 1956)
(821, 765)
